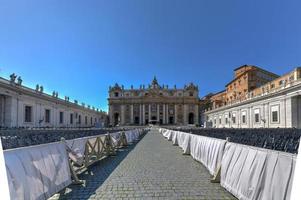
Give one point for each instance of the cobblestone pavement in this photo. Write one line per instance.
(153, 169)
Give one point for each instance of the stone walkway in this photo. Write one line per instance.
(152, 169)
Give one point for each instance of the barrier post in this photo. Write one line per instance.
(109, 146)
(74, 176)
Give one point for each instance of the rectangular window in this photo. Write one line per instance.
(244, 117)
(256, 116)
(91, 121)
(61, 117)
(86, 120)
(47, 116)
(28, 114)
(234, 118)
(275, 114)
(71, 118)
(220, 120)
(79, 119)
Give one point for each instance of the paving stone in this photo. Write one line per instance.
(152, 169)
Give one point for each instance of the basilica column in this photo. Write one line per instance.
(122, 117)
(158, 113)
(132, 114)
(197, 113)
(176, 114)
(111, 114)
(186, 114)
(167, 114)
(140, 114)
(143, 114)
(164, 112)
(149, 112)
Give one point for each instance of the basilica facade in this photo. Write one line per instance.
(155, 103)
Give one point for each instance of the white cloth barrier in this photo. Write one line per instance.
(175, 137)
(132, 135)
(252, 173)
(3, 177)
(208, 151)
(116, 137)
(37, 172)
(184, 141)
(77, 147)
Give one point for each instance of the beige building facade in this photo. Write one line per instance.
(21, 106)
(275, 104)
(156, 104)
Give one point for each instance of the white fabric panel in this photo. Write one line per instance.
(77, 147)
(208, 151)
(252, 173)
(116, 137)
(296, 192)
(184, 142)
(175, 137)
(3, 177)
(168, 134)
(37, 172)
(132, 135)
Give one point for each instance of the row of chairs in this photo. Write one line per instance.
(280, 139)
(17, 138)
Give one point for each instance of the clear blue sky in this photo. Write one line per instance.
(80, 47)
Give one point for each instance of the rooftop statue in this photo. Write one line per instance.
(13, 78)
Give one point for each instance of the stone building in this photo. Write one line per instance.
(21, 106)
(154, 104)
(271, 104)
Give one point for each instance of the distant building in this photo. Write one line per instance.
(154, 104)
(21, 106)
(257, 98)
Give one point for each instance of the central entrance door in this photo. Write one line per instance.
(116, 119)
(191, 118)
(153, 120)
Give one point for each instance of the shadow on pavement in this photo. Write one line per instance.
(95, 176)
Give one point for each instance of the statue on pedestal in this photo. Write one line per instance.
(19, 80)
(13, 78)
